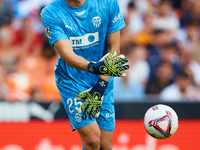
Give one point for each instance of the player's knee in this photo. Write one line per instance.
(94, 142)
(105, 145)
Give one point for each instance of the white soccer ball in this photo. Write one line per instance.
(161, 121)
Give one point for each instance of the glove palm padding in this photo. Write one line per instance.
(109, 67)
(93, 99)
(92, 105)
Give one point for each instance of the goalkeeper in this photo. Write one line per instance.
(80, 31)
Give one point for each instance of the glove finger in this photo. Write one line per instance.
(83, 94)
(97, 115)
(85, 114)
(121, 62)
(110, 55)
(121, 56)
(79, 110)
(92, 114)
(119, 74)
(87, 111)
(122, 68)
(118, 61)
(83, 106)
(97, 112)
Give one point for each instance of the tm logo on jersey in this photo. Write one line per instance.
(86, 40)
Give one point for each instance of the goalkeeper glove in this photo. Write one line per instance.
(94, 97)
(109, 67)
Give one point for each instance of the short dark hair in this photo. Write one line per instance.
(191, 22)
(165, 1)
(182, 73)
(131, 5)
(158, 31)
(163, 62)
(168, 46)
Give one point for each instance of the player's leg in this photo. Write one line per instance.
(90, 136)
(88, 129)
(106, 121)
(106, 140)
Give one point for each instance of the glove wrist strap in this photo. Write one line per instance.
(96, 68)
(90, 67)
(101, 86)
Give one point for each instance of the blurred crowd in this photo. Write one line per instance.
(26, 59)
(161, 40)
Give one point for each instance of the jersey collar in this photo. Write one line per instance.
(76, 10)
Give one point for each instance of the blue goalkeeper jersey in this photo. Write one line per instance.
(86, 28)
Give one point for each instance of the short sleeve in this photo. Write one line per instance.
(53, 29)
(116, 20)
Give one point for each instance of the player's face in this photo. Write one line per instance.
(75, 3)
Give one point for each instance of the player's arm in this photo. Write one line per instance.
(65, 50)
(114, 45)
(105, 66)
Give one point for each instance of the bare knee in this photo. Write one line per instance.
(106, 140)
(90, 136)
(105, 145)
(93, 143)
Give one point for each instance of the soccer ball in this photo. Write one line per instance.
(161, 121)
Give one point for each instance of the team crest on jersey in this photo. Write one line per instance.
(96, 21)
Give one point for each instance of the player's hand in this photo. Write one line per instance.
(93, 100)
(108, 66)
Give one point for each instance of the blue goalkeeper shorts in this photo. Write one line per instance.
(106, 119)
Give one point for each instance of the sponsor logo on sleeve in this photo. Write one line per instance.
(117, 17)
